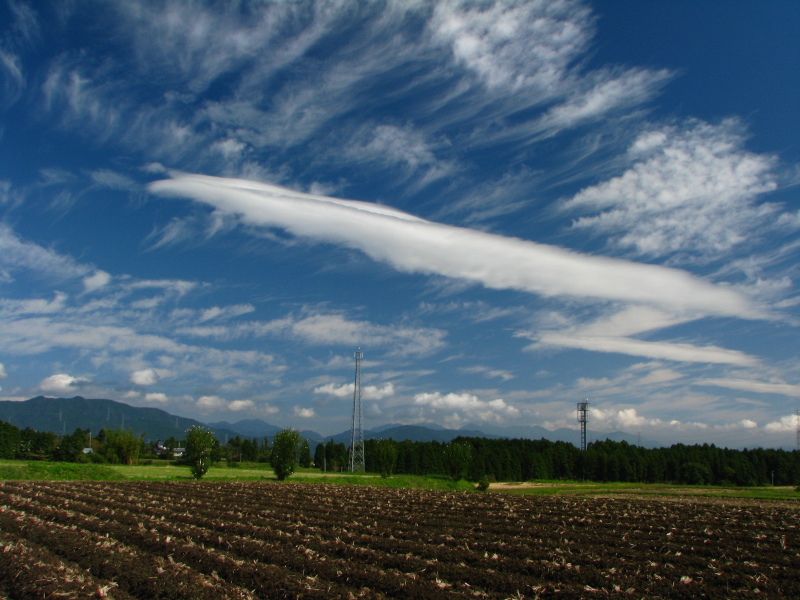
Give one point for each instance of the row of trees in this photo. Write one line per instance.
(118, 447)
(285, 454)
(469, 458)
(123, 447)
(522, 460)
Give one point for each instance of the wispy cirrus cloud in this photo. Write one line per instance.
(515, 45)
(318, 328)
(16, 253)
(463, 66)
(752, 385)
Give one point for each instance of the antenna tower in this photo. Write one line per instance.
(583, 410)
(357, 431)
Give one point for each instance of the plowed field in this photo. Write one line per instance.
(290, 540)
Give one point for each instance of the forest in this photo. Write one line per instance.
(604, 461)
(473, 459)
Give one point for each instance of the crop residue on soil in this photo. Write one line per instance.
(288, 540)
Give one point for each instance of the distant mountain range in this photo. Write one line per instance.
(64, 415)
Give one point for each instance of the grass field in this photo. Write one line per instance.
(164, 471)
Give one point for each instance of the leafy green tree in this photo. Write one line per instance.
(457, 457)
(120, 447)
(200, 443)
(319, 457)
(263, 450)
(305, 454)
(70, 447)
(10, 440)
(285, 448)
(386, 452)
(335, 456)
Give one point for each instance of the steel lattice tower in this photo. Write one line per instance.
(357, 430)
(583, 410)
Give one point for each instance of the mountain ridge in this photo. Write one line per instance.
(64, 415)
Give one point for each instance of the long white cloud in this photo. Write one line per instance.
(749, 385)
(657, 350)
(613, 334)
(414, 245)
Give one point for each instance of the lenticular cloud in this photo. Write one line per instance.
(413, 245)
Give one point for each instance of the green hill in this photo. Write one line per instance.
(65, 415)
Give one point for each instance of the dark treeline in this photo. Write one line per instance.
(522, 460)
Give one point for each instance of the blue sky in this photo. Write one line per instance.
(509, 207)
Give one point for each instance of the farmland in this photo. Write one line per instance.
(157, 539)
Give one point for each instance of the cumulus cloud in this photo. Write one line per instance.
(209, 403)
(216, 403)
(743, 424)
(629, 418)
(156, 397)
(61, 383)
(368, 392)
(3, 373)
(238, 405)
(145, 377)
(468, 406)
(413, 245)
(785, 424)
(304, 413)
(603, 418)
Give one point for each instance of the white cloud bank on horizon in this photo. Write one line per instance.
(414, 245)
(467, 407)
(368, 392)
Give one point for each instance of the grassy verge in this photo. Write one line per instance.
(57, 471)
(163, 470)
(547, 488)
